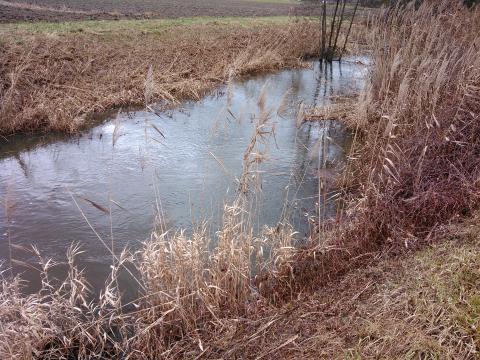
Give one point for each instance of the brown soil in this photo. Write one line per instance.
(56, 10)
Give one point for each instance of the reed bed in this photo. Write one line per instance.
(54, 81)
(419, 122)
(414, 164)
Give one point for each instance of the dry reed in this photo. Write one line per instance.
(415, 164)
(194, 286)
(415, 168)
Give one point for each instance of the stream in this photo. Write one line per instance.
(187, 159)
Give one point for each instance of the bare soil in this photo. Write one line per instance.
(56, 10)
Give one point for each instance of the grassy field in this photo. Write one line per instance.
(58, 74)
(133, 26)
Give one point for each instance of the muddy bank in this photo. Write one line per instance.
(53, 10)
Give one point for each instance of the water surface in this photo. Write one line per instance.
(190, 168)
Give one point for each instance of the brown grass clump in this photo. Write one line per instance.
(419, 159)
(416, 163)
(54, 81)
(424, 306)
(59, 321)
(199, 287)
(195, 287)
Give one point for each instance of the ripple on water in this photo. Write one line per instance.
(193, 168)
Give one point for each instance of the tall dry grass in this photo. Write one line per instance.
(419, 117)
(414, 167)
(55, 81)
(195, 288)
(415, 164)
(59, 321)
(199, 287)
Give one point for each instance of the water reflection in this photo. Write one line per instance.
(190, 156)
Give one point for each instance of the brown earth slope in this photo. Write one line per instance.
(425, 306)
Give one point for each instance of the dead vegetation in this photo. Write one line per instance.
(414, 168)
(414, 164)
(194, 286)
(416, 306)
(55, 81)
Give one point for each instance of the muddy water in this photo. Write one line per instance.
(190, 168)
